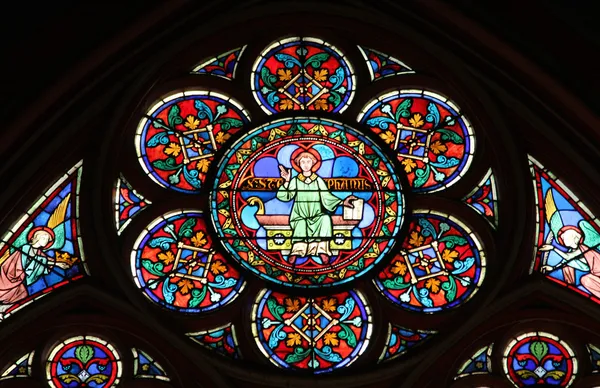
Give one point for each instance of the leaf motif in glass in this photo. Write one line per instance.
(174, 264)
(316, 334)
(178, 137)
(302, 74)
(539, 358)
(433, 139)
(83, 361)
(441, 265)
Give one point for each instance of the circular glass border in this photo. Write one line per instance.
(232, 251)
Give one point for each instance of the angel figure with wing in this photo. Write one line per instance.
(27, 260)
(581, 243)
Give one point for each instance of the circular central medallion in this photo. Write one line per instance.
(306, 202)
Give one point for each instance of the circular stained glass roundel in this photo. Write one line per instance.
(433, 139)
(178, 137)
(534, 359)
(174, 264)
(306, 202)
(441, 265)
(317, 334)
(302, 74)
(83, 362)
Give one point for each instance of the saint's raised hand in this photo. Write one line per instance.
(285, 173)
(348, 201)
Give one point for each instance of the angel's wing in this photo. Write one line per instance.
(17, 243)
(56, 222)
(552, 214)
(590, 234)
(58, 216)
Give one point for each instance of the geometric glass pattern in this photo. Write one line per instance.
(178, 137)
(441, 265)
(306, 202)
(594, 352)
(83, 361)
(539, 358)
(484, 198)
(433, 140)
(221, 340)
(302, 74)
(144, 366)
(173, 262)
(128, 203)
(223, 65)
(43, 250)
(382, 65)
(19, 368)
(314, 334)
(567, 238)
(400, 340)
(479, 363)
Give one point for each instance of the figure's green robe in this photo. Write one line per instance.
(308, 219)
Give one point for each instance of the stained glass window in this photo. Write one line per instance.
(223, 65)
(567, 237)
(594, 352)
(317, 334)
(178, 137)
(302, 74)
(145, 367)
(400, 340)
(128, 203)
(175, 265)
(307, 204)
(539, 358)
(441, 265)
(484, 198)
(382, 65)
(271, 188)
(42, 251)
(479, 363)
(433, 139)
(83, 361)
(19, 368)
(221, 340)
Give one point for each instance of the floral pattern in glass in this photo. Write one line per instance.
(315, 334)
(302, 74)
(432, 138)
(441, 265)
(178, 137)
(539, 358)
(173, 262)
